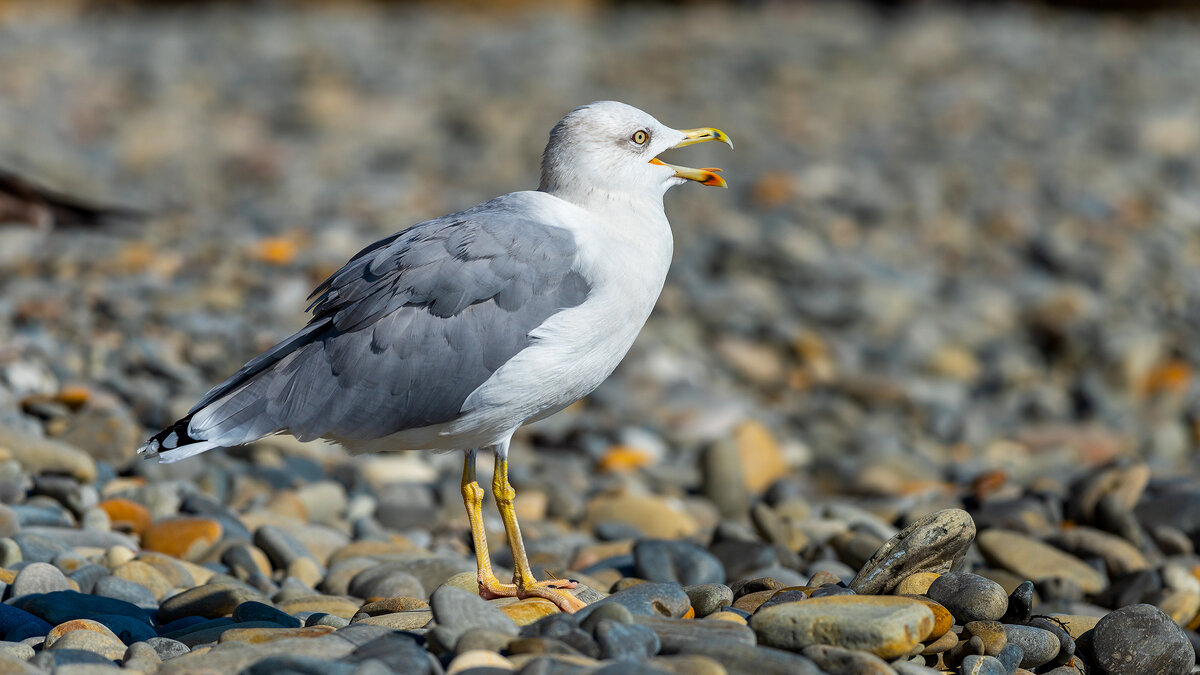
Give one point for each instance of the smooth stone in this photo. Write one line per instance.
(750, 602)
(182, 537)
(44, 456)
(15, 650)
(62, 629)
(87, 576)
(399, 652)
(457, 611)
(126, 591)
(1037, 646)
(647, 599)
(1119, 555)
(654, 516)
(525, 612)
(313, 602)
(38, 577)
(67, 538)
(146, 575)
(478, 662)
(370, 548)
(1020, 604)
(746, 660)
(686, 664)
(708, 598)
(969, 597)
(942, 619)
(991, 633)
(910, 668)
(295, 664)
(915, 584)
(126, 628)
(63, 606)
(837, 660)
(105, 644)
(622, 641)
(406, 620)
(433, 571)
(82, 660)
(886, 626)
(323, 619)
(789, 595)
(280, 547)
(975, 664)
(166, 648)
(935, 543)
(338, 577)
(679, 635)
(1141, 639)
(1037, 561)
(678, 561)
(265, 634)
(947, 641)
(563, 628)
(38, 548)
(258, 611)
(386, 580)
(126, 515)
(481, 638)
(210, 601)
(389, 605)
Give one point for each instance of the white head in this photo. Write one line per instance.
(609, 149)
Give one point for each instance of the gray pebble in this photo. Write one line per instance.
(1038, 646)
(678, 561)
(125, 590)
(1141, 639)
(708, 598)
(648, 599)
(625, 642)
(457, 611)
(388, 580)
(39, 577)
(257, 611)
(969, 597)
(974, 664)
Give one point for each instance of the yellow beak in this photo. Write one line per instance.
(706, 176)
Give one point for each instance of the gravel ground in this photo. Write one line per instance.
(925, 373)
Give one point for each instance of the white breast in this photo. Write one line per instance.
(624, 254)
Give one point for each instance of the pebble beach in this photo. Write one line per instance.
(919, 395)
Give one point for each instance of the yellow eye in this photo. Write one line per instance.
(640, 137)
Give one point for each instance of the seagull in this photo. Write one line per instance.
(451, 334)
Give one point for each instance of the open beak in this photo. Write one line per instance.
(706, 176)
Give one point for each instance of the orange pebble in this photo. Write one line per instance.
(181, 537)
(127, 515)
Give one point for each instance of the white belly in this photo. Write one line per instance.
(574, 350)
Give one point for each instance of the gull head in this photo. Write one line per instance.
(609, 149)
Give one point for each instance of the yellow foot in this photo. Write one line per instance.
(549, 590)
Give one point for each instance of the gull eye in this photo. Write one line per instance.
(640, 137)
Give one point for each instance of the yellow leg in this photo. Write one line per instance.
(489, 585)
(526, 585)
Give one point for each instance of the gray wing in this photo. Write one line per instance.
(403, 333)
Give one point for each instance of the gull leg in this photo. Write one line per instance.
(526, 585)
(489, 585)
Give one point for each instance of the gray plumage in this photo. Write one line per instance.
(400, 336)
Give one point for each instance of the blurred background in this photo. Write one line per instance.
(959, 255)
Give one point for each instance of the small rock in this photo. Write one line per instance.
(935, 544)
(622, 641)
(969, 597)
(1038, 646)
(647, 599)
(708, 598)
(915, 584)
(840, 660)
(975, 664)
(385, 580)
(525, 612)
(654, 516)
(886, 626)
(479, 661)
(209, 601)
(182, 537)
(457, 611)
(105, 644)
(257, 611)
(1037, 561)
(678, 561)
(1141, 639)
(38, 577)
